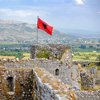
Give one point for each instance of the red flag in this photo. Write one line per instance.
(44, 26)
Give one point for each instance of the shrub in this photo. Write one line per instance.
(43, 55)
(61, 62)
(87, 57)
(99, 63)
(98, 67)
(98, 58)
(90, 65)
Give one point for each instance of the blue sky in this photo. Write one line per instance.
(61, 14)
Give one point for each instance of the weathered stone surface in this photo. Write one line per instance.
(21, 84)
(93, 70)
(45, 85)
(97, 79)
(84, 95)
(51, 87)
(55, 49)
(75, 76)
(87, 80)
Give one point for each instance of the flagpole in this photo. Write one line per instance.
(37, 29)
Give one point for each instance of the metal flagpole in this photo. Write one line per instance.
(37, 29)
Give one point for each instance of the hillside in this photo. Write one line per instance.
(16, 31)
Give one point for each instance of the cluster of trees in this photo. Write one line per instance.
(79, 47)
(16, 45)
(98, 58)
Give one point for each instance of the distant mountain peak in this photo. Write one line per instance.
(9, 21)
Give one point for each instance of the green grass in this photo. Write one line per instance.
(98, 67)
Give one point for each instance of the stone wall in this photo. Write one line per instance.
(85, 63)
(85, 95)
(31, 84)
(90, 77)
(48, 87)
(87, 80)
(15, 84)
(98, 78)
(75, 77)
(56, 50)
(64, 69)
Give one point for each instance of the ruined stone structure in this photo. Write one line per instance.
(90, 77)
(22, 81)
(15, 84)
(59, 68)
(56, 50)
(53, 79)
(87, 80)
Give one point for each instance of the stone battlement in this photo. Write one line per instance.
(56, 50)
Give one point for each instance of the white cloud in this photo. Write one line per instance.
(23, 13)
(99, 12)
(80, 2)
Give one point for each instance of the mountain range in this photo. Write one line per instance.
(14, 31)
(17, 31)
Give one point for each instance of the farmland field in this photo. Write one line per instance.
(85, 56)
(80, 52)
(27, 55)
(6, 57)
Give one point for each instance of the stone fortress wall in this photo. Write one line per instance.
(85, 63)
(15, 83)
(59, 68)
(55, 67)
(21, 74)
(20, 81)
(56, 49)
(24, 87)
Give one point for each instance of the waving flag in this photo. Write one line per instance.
(44, 26)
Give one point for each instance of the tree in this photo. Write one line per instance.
(98, 58)
(87, 57)
(83, 46)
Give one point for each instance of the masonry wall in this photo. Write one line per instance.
(85, 95)
(55, 49)
(42, 91)
(85, 63)
(21, 84)
(49, 65)
(63, 66)
(28, 86)
(48, 87)
(62, 51)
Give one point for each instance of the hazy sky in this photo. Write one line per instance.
(69, 14)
